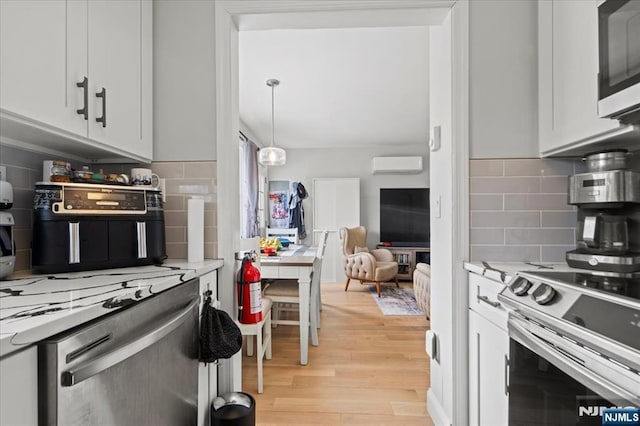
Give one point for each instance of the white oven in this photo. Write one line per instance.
(619, 60)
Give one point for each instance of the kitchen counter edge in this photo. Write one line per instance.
(24, 325)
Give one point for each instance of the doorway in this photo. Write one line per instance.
(234, 16)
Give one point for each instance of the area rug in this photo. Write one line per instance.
(396, 301)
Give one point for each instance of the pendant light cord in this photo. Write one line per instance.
(273, 126)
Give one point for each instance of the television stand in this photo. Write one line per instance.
(407, 258)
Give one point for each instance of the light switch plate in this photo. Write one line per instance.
(434, 141)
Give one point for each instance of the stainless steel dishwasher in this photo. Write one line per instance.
(138, 366)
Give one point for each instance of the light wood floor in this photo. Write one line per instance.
(367, 370)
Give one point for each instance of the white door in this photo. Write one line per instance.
(336, 204)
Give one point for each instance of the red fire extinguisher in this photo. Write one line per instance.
(249, 293)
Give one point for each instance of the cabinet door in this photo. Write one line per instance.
(120, 69)
(43, 54)
(568, 74)
(488, 350)
(19, 388)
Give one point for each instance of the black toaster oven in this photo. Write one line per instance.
(79, 227)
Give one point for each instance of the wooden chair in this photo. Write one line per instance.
(286, 292)
(290, 234)
(261, 330)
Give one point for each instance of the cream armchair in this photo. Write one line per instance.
(366, 265)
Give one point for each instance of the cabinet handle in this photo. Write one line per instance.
(486, 300)
(84, 111)
(103, 94)
(506, 375)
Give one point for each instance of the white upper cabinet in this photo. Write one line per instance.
(568, 76)
(43, 54)
(51, 49)
(120, 73)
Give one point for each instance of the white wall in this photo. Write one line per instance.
(305, 164)
(440, 394)
(503, 82)
(184, 80)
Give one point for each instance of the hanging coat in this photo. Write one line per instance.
(296, 212)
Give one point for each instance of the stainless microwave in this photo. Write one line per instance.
(619, 60)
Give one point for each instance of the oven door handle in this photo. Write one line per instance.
(126, 350)
(569, 363)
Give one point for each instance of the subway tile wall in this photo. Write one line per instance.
(519, 210)
(183, 178)
(24, 169)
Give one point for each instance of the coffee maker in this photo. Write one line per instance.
(608, 202)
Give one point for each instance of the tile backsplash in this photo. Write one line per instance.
(519, 210)
(183, 178)
(24, 169)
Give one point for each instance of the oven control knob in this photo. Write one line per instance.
(543, 294)
(520, 286)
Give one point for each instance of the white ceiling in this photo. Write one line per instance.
(339, 87)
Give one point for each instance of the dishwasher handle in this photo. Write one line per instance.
(127, 350)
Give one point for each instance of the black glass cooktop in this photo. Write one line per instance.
(618, 322)
(606, 317)
(627, 285)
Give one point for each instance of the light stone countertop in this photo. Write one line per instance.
(511, 268)
(33, 308)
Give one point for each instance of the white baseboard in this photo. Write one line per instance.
(435, 410)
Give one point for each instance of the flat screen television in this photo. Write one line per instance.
(404, 217)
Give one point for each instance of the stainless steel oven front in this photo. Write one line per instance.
(574, 351)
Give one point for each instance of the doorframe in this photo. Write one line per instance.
(227, 14)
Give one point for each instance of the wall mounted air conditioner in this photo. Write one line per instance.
(396, 165)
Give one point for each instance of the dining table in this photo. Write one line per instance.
(295, 262)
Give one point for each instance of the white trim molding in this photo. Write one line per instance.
(460, 185)
(435, 410)
(231, 16)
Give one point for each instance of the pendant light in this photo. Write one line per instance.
(272, 155)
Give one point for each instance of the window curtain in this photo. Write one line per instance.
(248, 189)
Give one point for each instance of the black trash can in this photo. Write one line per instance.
(233, 409)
